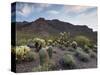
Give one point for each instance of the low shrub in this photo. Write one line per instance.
(86, 49)
(46, 67)
(92, 54)
(82, 40)
(30, 56)
(68, 61)
(71, 51)
(62, 47)
(81, 55)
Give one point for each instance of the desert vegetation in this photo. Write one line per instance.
(60, 52)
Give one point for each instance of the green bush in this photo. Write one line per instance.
(30, 56)
(71, 50)
(86, 49)
(81, 55)
(43, 56)
(21, 42)
(68, 61)
(50, 52)
(82, 40)
(95, 48)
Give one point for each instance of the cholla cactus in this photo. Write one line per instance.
(63, 38)
(50, 51)
(21, 51)
(50, 42)
(67, 44)
(74, 44)
(43, 56)
(39, 43)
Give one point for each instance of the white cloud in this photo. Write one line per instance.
(41, 7)
(53, 12)
(25, 10)
(75, 9)
(80, 15)
(87, 19)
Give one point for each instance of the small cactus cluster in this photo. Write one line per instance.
(45, 54)
(74, 44)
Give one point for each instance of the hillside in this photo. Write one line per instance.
(45, 27)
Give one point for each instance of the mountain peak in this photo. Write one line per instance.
(40, 21)
(55, 20)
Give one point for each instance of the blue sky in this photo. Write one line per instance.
(75, 14)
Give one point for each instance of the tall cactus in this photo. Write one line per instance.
(50, 51)
(43, 56)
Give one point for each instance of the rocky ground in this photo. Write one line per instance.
(57, 54)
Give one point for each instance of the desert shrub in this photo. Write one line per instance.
(46, 67)
(43, 56)
(81, 55)
(62, 47)
(74, 44)
(31, 45)
(82, 40)
(21, 42)
(68, 61)
(92, 54)
(95, 48)
(71, 49)
(86, 49)
(50, 51)
(30, 56)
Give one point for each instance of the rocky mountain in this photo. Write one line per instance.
(53, 27)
